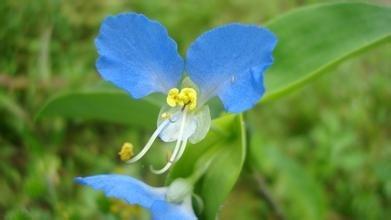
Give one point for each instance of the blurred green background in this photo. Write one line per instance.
(326, 148)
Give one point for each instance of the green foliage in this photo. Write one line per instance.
(314, 39)
(111, 105)
(302, 194)
(338, 142)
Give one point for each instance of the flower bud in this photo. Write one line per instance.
(179, 190)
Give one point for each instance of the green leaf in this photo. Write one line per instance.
(314, 39)
(107, 104)
(227, 140)
(302, 194)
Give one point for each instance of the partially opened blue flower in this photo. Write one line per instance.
(135, 192)
(137, 55)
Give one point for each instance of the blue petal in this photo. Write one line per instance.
(137, 55)
(229, 62)
(125, 188)
(134, 191)
(162, 210)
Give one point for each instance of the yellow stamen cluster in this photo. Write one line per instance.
(185, 97)
(126, 151)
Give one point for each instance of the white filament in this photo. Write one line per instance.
(149, 143)
(182, 150)
(179, 148)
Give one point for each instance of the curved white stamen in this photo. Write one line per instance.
(173, 159)
(149, 143)
(178, 148)
(182, 150)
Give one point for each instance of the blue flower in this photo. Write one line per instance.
(228, 62)
(135, 192)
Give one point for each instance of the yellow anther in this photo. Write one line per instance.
(126, 151)
(173, 97)
(185, 97)
(166, 115)
(189, 97)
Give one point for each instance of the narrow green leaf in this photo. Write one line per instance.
(228, 139)
(224, 171)
(314, 39)
(105, 104)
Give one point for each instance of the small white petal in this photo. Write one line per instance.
(203, 121)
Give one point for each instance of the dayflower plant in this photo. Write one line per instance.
(163, 202)
(136, 54)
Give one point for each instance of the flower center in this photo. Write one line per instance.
(178, 124)
(187, 97)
